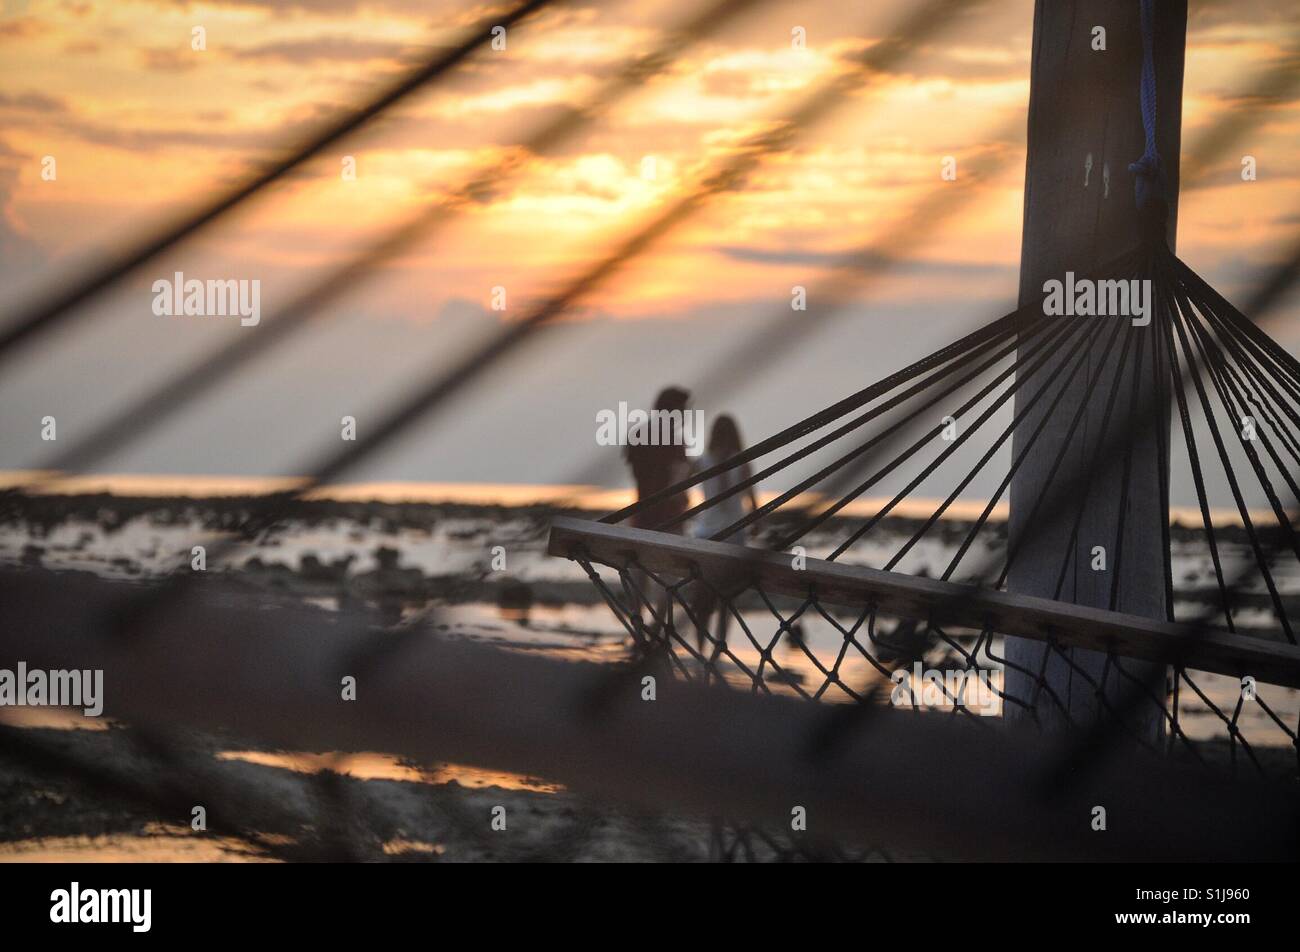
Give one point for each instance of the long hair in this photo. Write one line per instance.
(724, 438)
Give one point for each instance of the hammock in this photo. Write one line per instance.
(843, 625)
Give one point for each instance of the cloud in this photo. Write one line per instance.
(147, 139)
(34, 110)
(31, 102)
(169, 60)
(867, 263)
(323, 49)
(83, 47)
(22, 28)
(1206, 15)
(333, 8)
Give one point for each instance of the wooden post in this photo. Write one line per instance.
(1085, 128)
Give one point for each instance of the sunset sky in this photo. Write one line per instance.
(141, 125)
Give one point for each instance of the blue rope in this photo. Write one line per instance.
(1149, 181)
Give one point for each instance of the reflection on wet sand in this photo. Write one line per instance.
(374, 766)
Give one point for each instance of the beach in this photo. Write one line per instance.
(461, 565)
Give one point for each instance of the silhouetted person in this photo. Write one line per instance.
(658, 467)
(723, 511)
(724, 443)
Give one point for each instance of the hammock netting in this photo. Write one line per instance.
(831, 588)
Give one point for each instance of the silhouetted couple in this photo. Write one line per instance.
(656, 467)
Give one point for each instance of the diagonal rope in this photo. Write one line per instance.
(900, 430)
(47, 315)
(1021, 378)
(1063, 389)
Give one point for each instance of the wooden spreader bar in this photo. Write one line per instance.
(732, 568)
